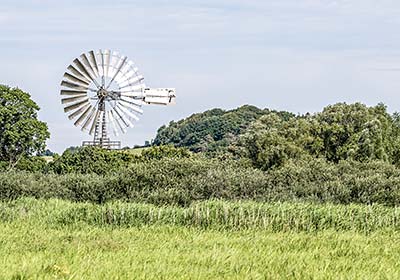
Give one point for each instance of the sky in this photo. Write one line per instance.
(294, 55)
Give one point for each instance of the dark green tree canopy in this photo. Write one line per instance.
(21, 133)
(211, 131)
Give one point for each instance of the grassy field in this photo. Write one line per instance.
(54, 239)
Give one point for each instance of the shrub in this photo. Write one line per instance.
(86, 160)
(174, 181)
(167, 151)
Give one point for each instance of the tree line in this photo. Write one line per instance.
(269, 138)
(347, 153)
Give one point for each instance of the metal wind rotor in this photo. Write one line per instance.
(103, 90)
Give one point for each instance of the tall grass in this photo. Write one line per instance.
(30, 250)
(275, 217)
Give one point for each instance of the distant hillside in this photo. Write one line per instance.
(211, 131)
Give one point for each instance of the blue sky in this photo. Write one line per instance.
(296, 55)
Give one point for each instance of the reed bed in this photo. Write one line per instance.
(215, 214)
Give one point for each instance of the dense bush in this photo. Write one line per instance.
(167, 151)
(88, 160)
(182, 181)
(32, 164)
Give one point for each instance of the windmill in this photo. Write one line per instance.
(103, 91)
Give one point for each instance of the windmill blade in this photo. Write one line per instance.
(126, 71)
(103, 71)
(73, 85)
(120, 117)
(127, 112)
(107, 60)
(123, 117)
(87, 65)
(72, 92)
(131, 101)
(94, 123)
(129, 67)
(125, 76)
(131, 81)
(133, 88)
(112, 121)
(75, 79)
(118, 69)
(129, 74)
(114, 58)
(118, 123)
(92, 59)
(74, 71)
(83, 69)
(89, 118)
(72, 99)
(76, 86)
(135, 95)
(132, 94)
(131, 106)
(90, 69)
(76, 105)
(77, 112)
(83, 116)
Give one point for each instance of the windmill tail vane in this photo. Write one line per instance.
(103, 92)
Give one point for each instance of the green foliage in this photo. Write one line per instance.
(358, 132)
(167, 151)
(212, 131)
(21, 133)
(182, 181)
(273, 140)
(32, 164)
(87, 160)
(339, 132)
(269, 138)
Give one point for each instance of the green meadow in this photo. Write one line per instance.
(55, 239)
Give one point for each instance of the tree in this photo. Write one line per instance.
(340, 132)
(274, 139)
(358, 132)
(212, 131)
(21, 133)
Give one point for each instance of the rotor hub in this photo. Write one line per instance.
(102, 93)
